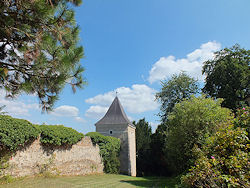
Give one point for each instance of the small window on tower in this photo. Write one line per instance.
(110, 132)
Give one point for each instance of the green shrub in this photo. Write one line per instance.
(223, 161)
(14, 133)
(190, 123)
(58, 135)
(243, 119)
(109, 150)
(6, 179)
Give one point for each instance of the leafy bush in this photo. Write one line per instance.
(59, 135)
(243, 119)
(16, 132)
(223, 161)
(190, 123)
(6, 179)
(109, 150)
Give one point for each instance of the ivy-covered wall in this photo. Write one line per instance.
(27, 149)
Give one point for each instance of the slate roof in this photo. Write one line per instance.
(115, 115)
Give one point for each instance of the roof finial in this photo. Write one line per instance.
(116, 93)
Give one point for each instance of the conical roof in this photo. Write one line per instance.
(115, 115)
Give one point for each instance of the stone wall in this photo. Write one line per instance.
(132, 150)
(80, 159)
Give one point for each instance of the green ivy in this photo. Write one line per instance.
(109, 150)
(59, 135)
(14, 133)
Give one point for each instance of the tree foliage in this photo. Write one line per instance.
(190, 123)
(109, 150)
(39, 49)
(174, 90)
(158, 140)
(228, 76)
(143, 134)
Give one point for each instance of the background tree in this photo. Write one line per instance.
(39, 51)
(228, 76)
(143, 134)
(174, 90)
(158, 140)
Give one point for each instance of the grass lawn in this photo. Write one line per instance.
(98, 181)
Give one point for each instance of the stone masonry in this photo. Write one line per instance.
(80, 159)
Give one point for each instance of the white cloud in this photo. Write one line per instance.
(79, 119)
(192, 64)
(131, 118)
(96, 111)
(137, 99)
(16, 107)
(65, 111)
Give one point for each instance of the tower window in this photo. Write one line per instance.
(110, 132)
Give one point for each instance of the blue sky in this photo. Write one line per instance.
(130, 46)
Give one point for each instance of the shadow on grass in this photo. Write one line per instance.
(165, 182)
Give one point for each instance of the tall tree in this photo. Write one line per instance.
(228, 76)
(39, 51)
(143, 134)
(174, 90)
(158, 140)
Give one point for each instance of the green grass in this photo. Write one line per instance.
(98, 181)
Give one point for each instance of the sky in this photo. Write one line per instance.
(130, 46)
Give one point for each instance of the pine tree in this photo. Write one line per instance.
(39, 51)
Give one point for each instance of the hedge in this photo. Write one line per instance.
(109, 150)
(58, 135)
(15, 133)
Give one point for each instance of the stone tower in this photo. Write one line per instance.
(115, 123)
